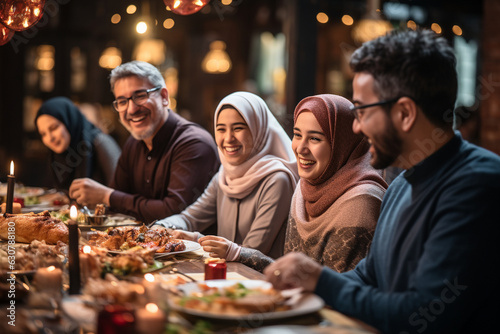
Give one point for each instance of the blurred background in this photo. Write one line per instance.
(283, 50)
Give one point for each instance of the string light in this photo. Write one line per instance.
(457, 30)
(436, 28)
(131, 9)
(115, 19)
(322, 17)
(347, 20)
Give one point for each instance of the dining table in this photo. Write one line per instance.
(325, 320)
(190, 266)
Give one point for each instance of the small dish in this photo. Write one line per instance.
(96, 220)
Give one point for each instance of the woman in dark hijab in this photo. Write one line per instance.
(78, 148)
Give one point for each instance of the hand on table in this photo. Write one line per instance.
(294, 270)
(215, 246)
(186, 235)
(89, 192)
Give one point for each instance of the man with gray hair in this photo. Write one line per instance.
(165, 164)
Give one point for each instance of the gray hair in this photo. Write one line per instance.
(139, 69)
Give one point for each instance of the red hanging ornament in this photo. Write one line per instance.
(19, 15)
(185, 7)
(5, 34)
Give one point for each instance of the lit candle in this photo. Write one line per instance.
(85, 263)
(48, 279)
(150, 320)
(150, 287)
(215, 268)
(73, 256)
(11, 182)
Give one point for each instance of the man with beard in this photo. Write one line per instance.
(429, 266)
(165, 164)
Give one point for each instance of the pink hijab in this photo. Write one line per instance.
(272, 149)
(349, 163)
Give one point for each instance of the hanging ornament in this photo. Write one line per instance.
(5, 34)
(185, 7)
(19, 15)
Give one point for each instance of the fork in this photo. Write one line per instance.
(176, 271)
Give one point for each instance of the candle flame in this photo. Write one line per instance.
(51, 268)
(12, 168)
(86, 249)
(149, 277)
(151, 307)
(73, 213)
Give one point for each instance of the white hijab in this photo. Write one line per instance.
(272, 150)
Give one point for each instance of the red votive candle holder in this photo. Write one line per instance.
(215, 268)
(19, 200)
(116, 319)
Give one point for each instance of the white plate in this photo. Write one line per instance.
(191, 246)
(76, 309)
(41, 205)
(308, 303)
(23, 191)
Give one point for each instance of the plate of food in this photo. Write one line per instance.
(249, 300)
(22, 191)
(131, 238)
(30, 227)
(191, 246)
(96, 221)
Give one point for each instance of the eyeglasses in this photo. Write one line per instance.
(358, 112)
(139, 97)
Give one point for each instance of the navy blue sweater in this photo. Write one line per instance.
(430, 267)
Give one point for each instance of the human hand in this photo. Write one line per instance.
(293, 270)
(89, 192)
(186, 235)
(215, 246)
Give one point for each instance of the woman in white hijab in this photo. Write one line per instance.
(249, 198)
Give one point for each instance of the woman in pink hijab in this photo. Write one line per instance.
(336, 203)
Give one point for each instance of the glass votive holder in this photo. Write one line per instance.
(215, 268)
(114, 319)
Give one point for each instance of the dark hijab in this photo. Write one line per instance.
(78, 160)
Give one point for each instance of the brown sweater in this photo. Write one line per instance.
(341, 236)
(155, 184)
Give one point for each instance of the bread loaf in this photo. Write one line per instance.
(29, 227)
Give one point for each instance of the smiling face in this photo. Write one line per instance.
(144, 121)
(54, 133)
(310, 146)
(376, 124)
(233, 137)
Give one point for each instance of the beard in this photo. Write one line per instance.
(387, 146)
(149, 132)
(144, 133)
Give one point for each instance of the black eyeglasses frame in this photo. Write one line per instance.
(147, 91)
(355, 109)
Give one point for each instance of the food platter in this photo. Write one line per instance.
(110, 220)
(306, 304)
(22, 191)
(191, 246)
